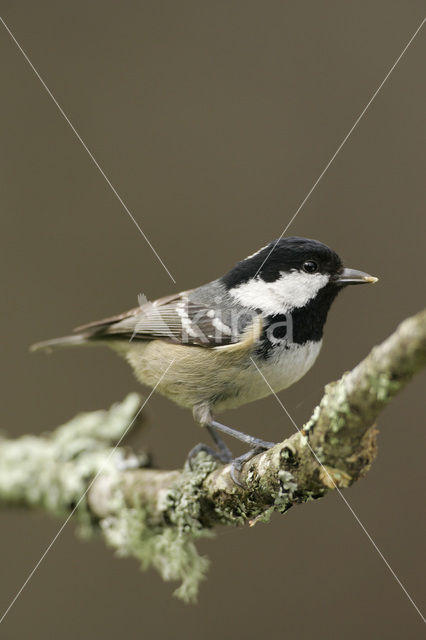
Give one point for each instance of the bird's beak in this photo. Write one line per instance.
(353, 276)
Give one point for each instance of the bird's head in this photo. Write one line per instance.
(289, 274)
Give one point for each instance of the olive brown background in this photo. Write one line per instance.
(213, 120)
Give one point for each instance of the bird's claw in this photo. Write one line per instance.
(221, 457)
(237, 464)
(224, 457)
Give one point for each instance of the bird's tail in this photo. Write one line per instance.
(67, 341)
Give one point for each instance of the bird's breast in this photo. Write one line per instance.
(287, 364)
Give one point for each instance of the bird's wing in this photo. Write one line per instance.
(131, 313)
(173, 318)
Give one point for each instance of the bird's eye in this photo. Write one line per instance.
(310, 266)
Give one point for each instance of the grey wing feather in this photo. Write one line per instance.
(106, 322)
(175, 318)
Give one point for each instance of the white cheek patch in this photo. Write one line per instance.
(291, 291)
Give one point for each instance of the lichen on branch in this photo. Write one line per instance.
(156, 516)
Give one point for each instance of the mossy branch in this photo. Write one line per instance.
(156, 515)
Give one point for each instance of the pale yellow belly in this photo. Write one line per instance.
(219, 377)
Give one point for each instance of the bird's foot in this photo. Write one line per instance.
(237, 464)
(222, 456)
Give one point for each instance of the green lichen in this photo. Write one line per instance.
(167, 546)
(288, 487)
(182, 502)
(320, 455)
(283, 500)
(334, 405)
(383, 386)
(53, 471)
(313, 419)
(235, 515)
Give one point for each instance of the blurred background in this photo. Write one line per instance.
(212, 120)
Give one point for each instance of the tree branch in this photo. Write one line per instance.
(156, 515)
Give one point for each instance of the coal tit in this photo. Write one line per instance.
(267, 315)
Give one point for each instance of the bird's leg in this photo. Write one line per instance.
(256, 446)
(202, 414)
(254, 443)
(223, 449)
(223, 453)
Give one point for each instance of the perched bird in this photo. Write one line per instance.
(212, 348)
